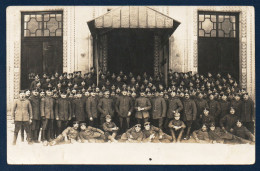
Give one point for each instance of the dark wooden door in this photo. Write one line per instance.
(218, 43)
(39, 56)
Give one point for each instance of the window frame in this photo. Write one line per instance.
(42, 23)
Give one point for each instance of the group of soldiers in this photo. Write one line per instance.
(192, 107)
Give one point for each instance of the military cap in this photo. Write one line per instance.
(21, 91)
(75, 122)
(83, 124)
(146, 123)
(108, 117)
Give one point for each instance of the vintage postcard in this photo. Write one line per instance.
(130, 84)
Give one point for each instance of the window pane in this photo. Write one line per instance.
(226, 26)
(213, 33)
(32, 25)
(207, 25)
(213, 18)
(38, 33)
(201, 17)
(58, 17)
(52, 25)
(58, 32)
(221, 33)
(201, 33)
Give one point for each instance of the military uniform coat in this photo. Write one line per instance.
(145, 103)
(189, 110)
(91, 107)
(247, 111)
(224, 108)
(228, 121)
(201, 104)
(22, 110)
(47, 107)
(35, 102)
(63, 109)
(214, 108)
(124, 104)
(158, 108)
(106, 107)
(78, 109)
(174, 104)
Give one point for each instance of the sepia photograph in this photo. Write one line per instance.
(130, 85)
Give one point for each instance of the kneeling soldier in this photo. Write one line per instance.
(91, 134)
(133, 134)
(176, 127)
(154, 134)
(69, 135)
(110, 129)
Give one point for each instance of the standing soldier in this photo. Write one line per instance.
(158, 109)
(22, 115)
(201, 104)
(92, 112)
(142, 106)
(78, 108)
(214, 108)
(189, 113)
(224, 106)
(106, 107)
(62, 112)
(174, 106)
(247, 115)
(124, 107)
(36, 116)
(236, 104)
(47, 114)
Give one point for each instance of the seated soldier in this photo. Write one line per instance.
(91, 134)
(201, 135)
(69, 135)
(244, 135)
(229, 121)
(218, 135)
(154, 134)
(206, 118)
(110, 129)
(134, 134)
(176, 127)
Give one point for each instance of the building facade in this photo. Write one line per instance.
(199, 27)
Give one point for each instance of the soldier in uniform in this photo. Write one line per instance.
(106, 107)
(22, 115)
(47, 114)
(78, 108)
(124, 108)
(92, 111)
(174, 106)
(201, 135)
(62, 112)
(247, 114)
(214, 108)
(36, 116)
(206, 118)
(236, 104)
(228, 122)
(176, 127)
(201, 104)
(91, 134)
(142, 107)
(154, 134)
(110, 129)
(158, 109)
(189, 113)
(224, 106)
(133, 135)
(243, 133)
(69, 135)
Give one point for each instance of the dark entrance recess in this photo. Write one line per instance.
(131, 50)
(218, 43)
(41, 44)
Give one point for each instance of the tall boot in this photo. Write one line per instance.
(180, 136)
(15, 138)
(22, 133)
(42, 135)
(35, 135)
(173, 136)
(188, 133)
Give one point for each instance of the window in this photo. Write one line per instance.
(42, 24)
(212, 24)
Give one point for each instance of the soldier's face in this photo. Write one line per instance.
(124, 93)
(108, 120)
(35, 93)
(27, 93)
(212, 128)
(22, 95)
(93, 94)
(137, 128)
(211, 97)
(237, 98)
(49, 93)
(83, 127)
(63, 96)
(206, 112)
(224, 97)
(86, 94)
(187, 96)
(147, 127)
(42, 94)
(246, 97)
(133, 95)
(239, 124)
(204, 128)
(75, 126)
(232, 111)
(177, 118)
(79, 95)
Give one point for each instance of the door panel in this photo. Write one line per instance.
(31, 61)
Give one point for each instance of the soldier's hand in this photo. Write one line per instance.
(65, 138)
(131, 136)
(91, 118)
(30, 121)
(223, 128)
(129, 114)
(231, 130)
(57, 119)
(139, 109)
(160, 137)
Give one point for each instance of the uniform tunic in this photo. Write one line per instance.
(124, 104)
(63, 109)
(92, 104)
(189, 110)
(22, 110)
(158, 108)
(35, 102)
(106, 107)
(228, 121)
(145, 103)
(78, 109)
(47, 107)
(90, 133)
(247, 111)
